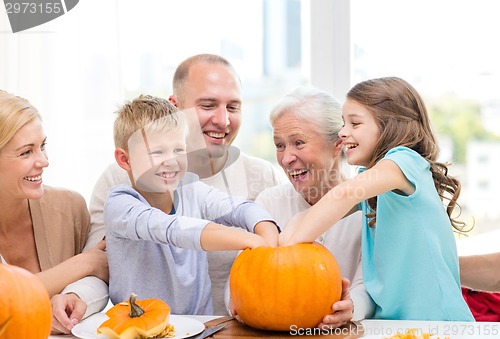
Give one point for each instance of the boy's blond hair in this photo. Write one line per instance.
(147, 113)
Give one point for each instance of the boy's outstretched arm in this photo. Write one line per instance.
(217, 237)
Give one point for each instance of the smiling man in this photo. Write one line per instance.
(210, 85)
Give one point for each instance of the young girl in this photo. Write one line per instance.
(409, 257)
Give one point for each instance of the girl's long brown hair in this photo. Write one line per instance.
(403, 121)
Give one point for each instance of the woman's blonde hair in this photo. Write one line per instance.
(15, 112)
(403, 121)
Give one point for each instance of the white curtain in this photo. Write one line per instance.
(69, 69)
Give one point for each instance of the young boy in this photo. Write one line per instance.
(158, 230)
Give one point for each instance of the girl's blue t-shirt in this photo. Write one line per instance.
(410, 261)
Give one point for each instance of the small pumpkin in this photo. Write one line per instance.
(134, 318)
(25, 309)
(276, 288)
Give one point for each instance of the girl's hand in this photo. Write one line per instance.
(342, 310)
(288, 235)
(285, 238)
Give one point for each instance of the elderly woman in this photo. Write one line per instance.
(44, 229)
(306, 124)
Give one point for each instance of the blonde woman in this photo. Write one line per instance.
(44, 229)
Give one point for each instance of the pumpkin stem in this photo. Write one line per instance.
(135, 310)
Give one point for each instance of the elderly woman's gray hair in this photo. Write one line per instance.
(314, 106)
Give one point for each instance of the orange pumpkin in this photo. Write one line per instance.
(276, 288)
(25, 309)
(132, 319)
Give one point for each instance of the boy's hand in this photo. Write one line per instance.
(269, 231)
(256, 240)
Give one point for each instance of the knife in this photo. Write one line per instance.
(209, 332)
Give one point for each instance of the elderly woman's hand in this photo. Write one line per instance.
(343, 310)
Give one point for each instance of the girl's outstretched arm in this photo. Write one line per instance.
(339, 201)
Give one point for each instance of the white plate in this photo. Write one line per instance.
(184, 327)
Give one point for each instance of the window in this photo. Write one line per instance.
(99, 54)
(449, 51)
(78, 68)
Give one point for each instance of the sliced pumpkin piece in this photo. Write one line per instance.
(134, 319)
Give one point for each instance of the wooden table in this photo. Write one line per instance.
(202, 318)
(372, 329)
(238, 330)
